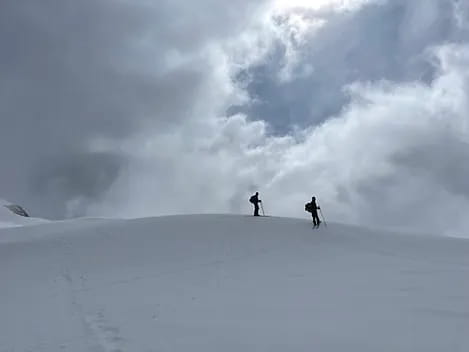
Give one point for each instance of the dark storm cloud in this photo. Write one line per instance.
(443, 160)
(83, 178)
(74, 71)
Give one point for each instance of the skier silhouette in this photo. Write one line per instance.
(255, 200)
(313, 209)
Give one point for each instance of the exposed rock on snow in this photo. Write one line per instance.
(17, 210)
(12, 215)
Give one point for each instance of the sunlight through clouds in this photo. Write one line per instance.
(186, 107)
(320, 4)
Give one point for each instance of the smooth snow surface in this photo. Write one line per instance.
(230, 283)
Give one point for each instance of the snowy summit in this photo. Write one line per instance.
(230, 283)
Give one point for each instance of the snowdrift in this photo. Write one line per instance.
(230, 283)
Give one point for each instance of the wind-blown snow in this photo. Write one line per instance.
(230, 283)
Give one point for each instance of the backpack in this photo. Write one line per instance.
(308, 207)
(251, 200)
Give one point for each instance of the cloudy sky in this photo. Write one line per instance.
(149, 107)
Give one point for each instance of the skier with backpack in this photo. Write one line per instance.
(255, 201)
(312, 208)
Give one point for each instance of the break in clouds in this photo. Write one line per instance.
(136, 108)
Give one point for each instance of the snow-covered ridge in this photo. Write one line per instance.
(230, 283)
(10, 216)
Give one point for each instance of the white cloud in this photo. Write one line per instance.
(376, 163)
(338, 5)
(135, 122)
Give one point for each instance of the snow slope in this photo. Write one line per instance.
(10, 219)
(229, 283)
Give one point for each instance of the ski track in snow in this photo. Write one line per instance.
(100, 335)
(107, 336)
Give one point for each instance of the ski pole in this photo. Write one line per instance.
(262, 208)
(322, 216)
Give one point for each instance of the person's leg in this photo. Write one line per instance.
(316, 219)
(256, 209)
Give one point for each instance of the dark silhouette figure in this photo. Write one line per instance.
(255, 200)
(313, 209)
